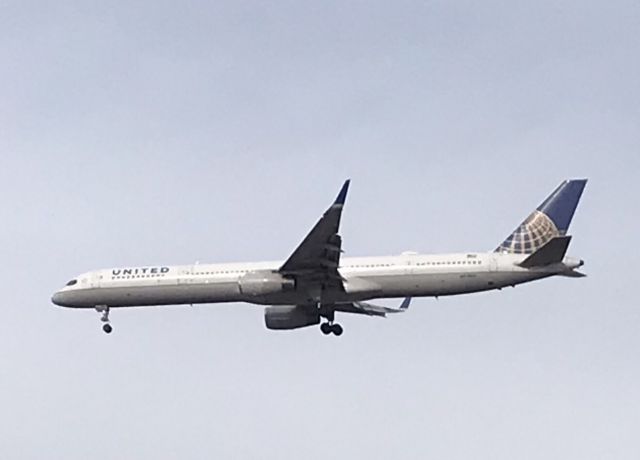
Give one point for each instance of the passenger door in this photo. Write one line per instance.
(96, 279)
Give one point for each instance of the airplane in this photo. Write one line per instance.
(315, 282)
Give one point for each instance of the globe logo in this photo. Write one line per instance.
(531, 235)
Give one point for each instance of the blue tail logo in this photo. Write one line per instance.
(552, 218)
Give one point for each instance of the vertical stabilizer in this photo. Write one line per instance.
(551, 219)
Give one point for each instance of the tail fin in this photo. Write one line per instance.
(551, 219)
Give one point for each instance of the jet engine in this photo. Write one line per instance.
(290, 317)
(261, 283)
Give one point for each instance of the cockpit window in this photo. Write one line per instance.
(72, 282)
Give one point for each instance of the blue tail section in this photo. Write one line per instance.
(551, 219)
(562, 203)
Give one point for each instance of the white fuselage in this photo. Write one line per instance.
(407, 275)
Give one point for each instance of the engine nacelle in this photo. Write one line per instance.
(290, 317)
(261, 283)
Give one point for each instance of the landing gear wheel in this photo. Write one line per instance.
(336, 329)
(104, 309)
(326, 328)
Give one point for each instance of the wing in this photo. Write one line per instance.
(317, 258)
(365, 308)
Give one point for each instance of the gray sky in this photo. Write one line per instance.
(163, 132)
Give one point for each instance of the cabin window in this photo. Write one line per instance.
(72, 282)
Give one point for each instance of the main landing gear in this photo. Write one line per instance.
(331, 328)
(104, 309)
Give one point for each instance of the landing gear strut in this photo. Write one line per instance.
(104, 309)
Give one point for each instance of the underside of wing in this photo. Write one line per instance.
(315, 261)
(365, 308)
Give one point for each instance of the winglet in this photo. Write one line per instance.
(342, 196)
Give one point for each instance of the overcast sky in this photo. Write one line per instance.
(140, 132)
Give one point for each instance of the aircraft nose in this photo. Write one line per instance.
(58, 299)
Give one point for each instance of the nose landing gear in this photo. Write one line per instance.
(104, 309)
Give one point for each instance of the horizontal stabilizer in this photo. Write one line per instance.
(552, 252)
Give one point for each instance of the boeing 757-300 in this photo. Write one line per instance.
(315, 282)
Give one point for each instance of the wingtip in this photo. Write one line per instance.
(342, 196)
